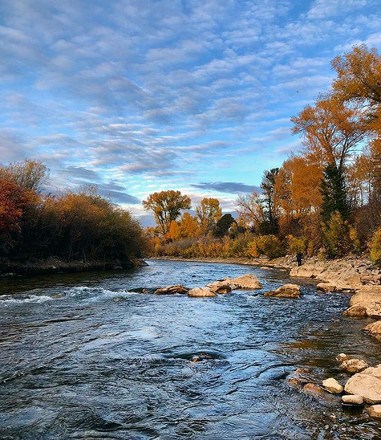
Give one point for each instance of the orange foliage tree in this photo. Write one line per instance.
(166, 206)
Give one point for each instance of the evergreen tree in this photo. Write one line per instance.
(270, 224)
(223, 225)
(333, 193)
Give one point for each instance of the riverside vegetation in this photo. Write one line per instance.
(324, 201)
(70, 231)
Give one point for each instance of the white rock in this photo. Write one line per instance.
(332, 386)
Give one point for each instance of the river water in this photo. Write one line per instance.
(83, 357)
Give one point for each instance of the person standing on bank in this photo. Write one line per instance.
(299, 256)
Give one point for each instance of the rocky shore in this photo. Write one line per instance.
(346, 274)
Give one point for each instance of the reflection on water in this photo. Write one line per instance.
(84, 357)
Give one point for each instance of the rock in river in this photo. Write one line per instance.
(366, 384)
(248, 281)
(352, 399)
(220, 287)
(353, 365)
(332, 386)
(170, 290)
(374, 329)
(366, 302)
(374, 411)
(286, 291)
(199, 292)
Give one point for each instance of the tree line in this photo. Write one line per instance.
(325, 200)
(71, 226)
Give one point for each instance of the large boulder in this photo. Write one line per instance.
(200, 292)
(285, 291)
(366, 384)
(171, 290)
(366, 302)
(248, 281)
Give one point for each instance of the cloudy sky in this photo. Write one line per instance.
(138, 96)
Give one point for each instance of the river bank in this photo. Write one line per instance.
(345, 274)
(55, 265)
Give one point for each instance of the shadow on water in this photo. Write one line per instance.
(81, 356)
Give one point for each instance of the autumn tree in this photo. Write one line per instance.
(29, 175)
(208, 213)
(296, 189)
(250, 211)
(189, 226)
(166, 206)
(330, 131)
(12, 203)
(358, 76)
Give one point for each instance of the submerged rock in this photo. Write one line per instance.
(170, 290)
(202, 357)
(300, 377)
(144, 290)
(286, 291)
(332, 386)
(199, 292)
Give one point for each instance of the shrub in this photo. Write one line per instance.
(375, 247)
(336, 236)
(355, 240)
(270, 245)
(296, 244)
(252, 249)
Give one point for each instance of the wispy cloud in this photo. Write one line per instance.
(132, 92)
(227, 187)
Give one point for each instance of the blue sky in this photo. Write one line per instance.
(138, 96)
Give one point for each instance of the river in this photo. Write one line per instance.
(85, 357)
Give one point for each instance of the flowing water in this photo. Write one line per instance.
(84, 357)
